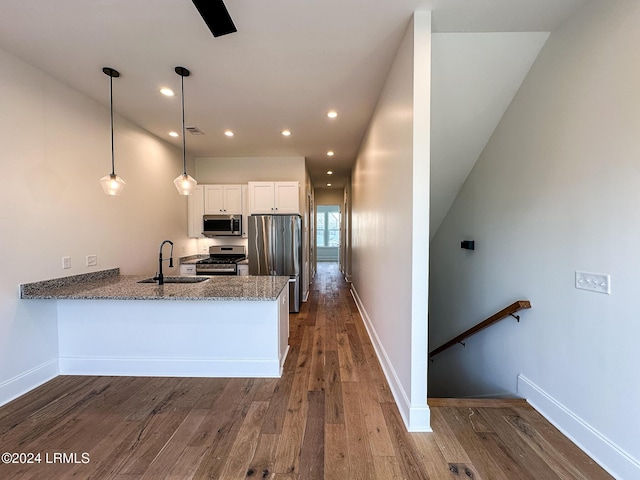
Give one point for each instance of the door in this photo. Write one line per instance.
(328, 225)
(260, 245)
(286, 239)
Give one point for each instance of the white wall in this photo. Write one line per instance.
(55, 145)
(254, 169)
(330, 196)
(475, 77)
(390, 199)
(556, 190)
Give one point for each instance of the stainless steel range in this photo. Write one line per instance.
(222, 260)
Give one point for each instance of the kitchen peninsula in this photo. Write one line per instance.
(111, 324)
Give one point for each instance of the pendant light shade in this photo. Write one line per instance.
(184, 183)
(112, 184)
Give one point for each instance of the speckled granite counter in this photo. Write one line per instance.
(110, 285)
(237, 327)
(192, 259)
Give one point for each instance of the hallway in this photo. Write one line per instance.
(331, 416)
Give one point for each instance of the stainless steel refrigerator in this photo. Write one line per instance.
(275, 248)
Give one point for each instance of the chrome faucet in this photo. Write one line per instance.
(160, 277)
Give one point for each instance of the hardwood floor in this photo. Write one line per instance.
(330, 416)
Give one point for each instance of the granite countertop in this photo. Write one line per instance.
(110, 285)
(192, 259)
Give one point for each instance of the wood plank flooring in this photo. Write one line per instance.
(331, 416)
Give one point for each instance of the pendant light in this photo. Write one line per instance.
(184, 183)
(112, 184)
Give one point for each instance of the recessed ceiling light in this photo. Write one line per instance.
(286, 133)
(228, 133)
(332, 114)
(173, 134)
(328, 184)
(330, 153)
(329, 172)
(167, 92)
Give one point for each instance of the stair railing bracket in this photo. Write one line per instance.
(517, 317)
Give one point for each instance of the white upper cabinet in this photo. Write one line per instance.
(287, 197)
(223, 199)
(260, 197)
(274, 197)
(195, 209)
(245, 210)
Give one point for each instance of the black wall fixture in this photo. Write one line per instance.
(468, 244)
(215, 15)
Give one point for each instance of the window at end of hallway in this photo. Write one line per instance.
(328, 226)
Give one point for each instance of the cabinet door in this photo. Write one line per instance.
(213, 199)
(243, 270)
(195, 210)
(232, 199)
(245, 211)
(188, 269)
(261, 197)
(287, 197)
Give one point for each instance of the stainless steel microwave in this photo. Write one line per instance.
(221, 225)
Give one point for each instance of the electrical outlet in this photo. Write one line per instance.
(92, 260)
(594, 282)
(66, 262)
(183, 249)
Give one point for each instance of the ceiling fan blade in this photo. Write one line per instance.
(215, 15)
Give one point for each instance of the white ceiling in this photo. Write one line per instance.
(289, 62)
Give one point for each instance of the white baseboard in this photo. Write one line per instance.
(169, 367)
(417, 418)
(26, 381)
(602, 450)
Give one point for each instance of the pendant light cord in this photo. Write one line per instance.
(113, 163)
(184, 141)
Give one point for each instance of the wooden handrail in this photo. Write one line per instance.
(505, 312)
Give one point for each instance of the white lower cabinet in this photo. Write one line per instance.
(187, 269)
(243, 270)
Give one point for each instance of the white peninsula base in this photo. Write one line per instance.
(173, 337)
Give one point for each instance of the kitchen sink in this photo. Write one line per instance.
(176, 280)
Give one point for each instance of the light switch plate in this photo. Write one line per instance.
(594, 282)
(66, 262)
(92, 260)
